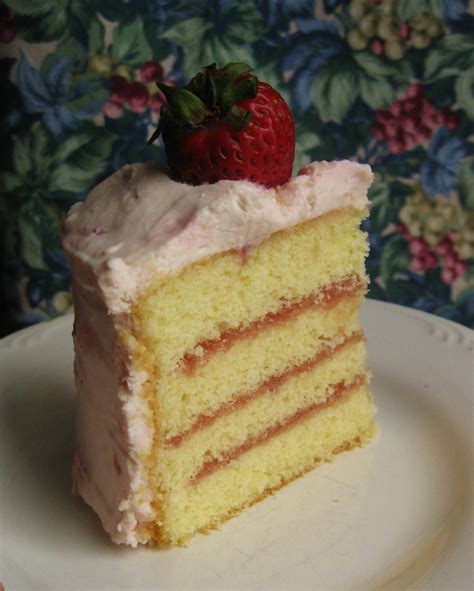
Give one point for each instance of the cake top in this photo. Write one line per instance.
(139, 222)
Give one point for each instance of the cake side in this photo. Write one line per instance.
(114, 426)
(204, 322)
(234, 401)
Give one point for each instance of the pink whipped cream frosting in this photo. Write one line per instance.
(133, 225)
(139, 222)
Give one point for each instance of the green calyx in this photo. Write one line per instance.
(210, 96)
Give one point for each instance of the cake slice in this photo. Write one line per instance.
(218, 348)
(219, 353)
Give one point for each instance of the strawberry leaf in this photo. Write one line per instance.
(237, 91)
(203, 85)
(233, 71)
(237, 118)
(184, 105)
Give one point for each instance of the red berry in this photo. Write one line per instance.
(112, 110)
(403, 231)
(261, 151)
(377, 46)
(120, 89)
(138, 97)
(423, 134)
(450, 260)
(449, 118)
(150, 72)
(444, 247)
(156, 102)
(418, 247)
(395, 109)
(460, 267)
(405, 30)
(448, 276)
(414, 90)
(378, 131)
(417, 265)
(430, 261)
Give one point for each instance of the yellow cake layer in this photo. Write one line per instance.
(177, 465)
(249, 362)
(174, 314)
(264, 468)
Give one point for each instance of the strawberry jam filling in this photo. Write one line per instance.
(339, 391)
(325, 298)
(272, 383)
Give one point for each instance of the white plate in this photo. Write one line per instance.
(394, 515)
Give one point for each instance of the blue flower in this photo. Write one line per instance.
(315, 43)
(62, 103)
(453, 10)
(439, 170)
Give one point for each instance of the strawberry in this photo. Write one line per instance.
(225, 124)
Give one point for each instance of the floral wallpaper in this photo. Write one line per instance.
(386, 82)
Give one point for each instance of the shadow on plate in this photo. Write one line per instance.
(37, 436)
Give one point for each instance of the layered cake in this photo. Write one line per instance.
(218, 348)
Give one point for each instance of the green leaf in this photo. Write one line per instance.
(22, 155)
(38, 223)
(32, 159)
(80, 159)
(241, 23)
(100, 95)
(464, 87)
(73, 50)
(129, 43)
(395, 257)
(45, 27)
(386, 201)
(408, 9)
(224, 35)
(96, 37)
(31, 245)
(377, 94)
(9, 182)
(186, 33)
(335, 89)
(32, 7)
(466, 184)
(382, 68)
(380, 79)
(450, 56)
(379, 197)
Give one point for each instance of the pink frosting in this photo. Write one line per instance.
(135, 224)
